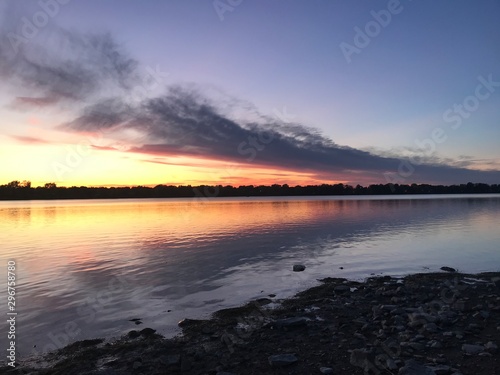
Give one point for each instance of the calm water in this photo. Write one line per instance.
(85, 268)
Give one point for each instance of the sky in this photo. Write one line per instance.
(240, 92)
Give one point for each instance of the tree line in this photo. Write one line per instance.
(22, 190)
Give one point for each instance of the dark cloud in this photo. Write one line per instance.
(184, 122)
(60, 65)
(102, 116)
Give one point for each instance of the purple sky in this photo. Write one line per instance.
(351, 91)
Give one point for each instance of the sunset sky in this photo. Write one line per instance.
(249, 92)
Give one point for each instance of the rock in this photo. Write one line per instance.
(391, 365)
(186, 364)
(416, 346)
(441, 369)
(472, 349)
(326, 370)
(413, 367)
(147, 332)
(298, 267)
(171, 360)
(291, 322)
(491, 347)
(435, 344)
(187, 322)
(340, 289)
(264, 301)
(280, 360)
(136, 365)
(448, 269)
(363, 358)
(462, 305)
(133, 334)
(431, 327)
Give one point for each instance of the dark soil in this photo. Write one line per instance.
(441, 323)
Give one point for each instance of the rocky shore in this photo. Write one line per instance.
(436, 323)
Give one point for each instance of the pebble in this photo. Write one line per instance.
(298, 267)
(280, 360)
(472, 349)
(326, 370)
(291, 322)
(342, 289)
(448, 269)
(412, 367)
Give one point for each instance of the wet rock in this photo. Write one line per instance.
(362, 358)
(491, 347)
(146, 332)
(280, 360)
(341, 289)
(462, 305)
(431, 327)
(187, 322)
(416, 346)
(441, 369)
(326, 370)
(133, 334)
(291, 322)
(391, 364)
(472, 349)
(448, 269)
(435, 344)
(186, 364)
(298, 267)
(264, 301)
(171, 360)
(412, 367)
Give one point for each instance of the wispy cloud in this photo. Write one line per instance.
(29, 140)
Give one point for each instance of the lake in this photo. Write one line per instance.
(86, 267)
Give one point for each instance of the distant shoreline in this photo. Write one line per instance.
(16, 190)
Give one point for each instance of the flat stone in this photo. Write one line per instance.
(187, 322)
(280, 360)
(171, 360)
(298, 267)
(326, 370)
(362, 358)
(391, 365)
(147, 332)
(291, 322)
(491, 346)
(441, 369)
(448, 269)
(472, 349)
(133, 334)
(342, 289)
(413, 367)
(431, 327)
